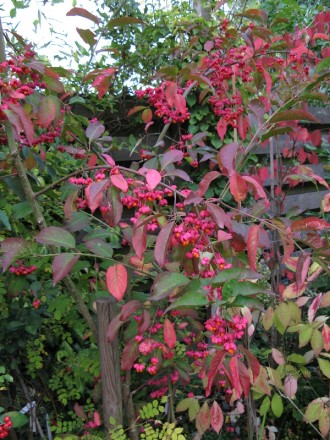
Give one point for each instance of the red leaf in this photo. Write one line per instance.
(81, 12)
(244, 378)
(79, 410)
(258, 191)
(144, 322)
(162, 243)
(219, 216)
(238, 187)
(13, 248)
(136, 109)
(226, 159)
(303, 263)
(233, 368)
(49, 110)
(169, 333)
(205, 182)
(94, 194)
(223, 236)
(290, 386)
(314, 308)
(153, 178)
(252, 246)
(113, 328)
(222, 128)
(217, 418)
(92, 161)
(180, 103)
(243, 126)
(116, 279)
(278, 356)
(215, 364)
(310, 223)
(139, 238)
(20, 120)
(170, 157)
(119, 181)
(129, 308)
(170, 92)
(268, 80)
(129, 355)
(253, 362)
(62, 265)
(292, 115)
(109, 160)
(203, 420)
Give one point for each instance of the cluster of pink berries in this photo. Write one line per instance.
(5, 427)
(21, 269)
(157, 97)
(225, 332)
(194, 229)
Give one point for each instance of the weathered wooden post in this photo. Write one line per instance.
(110, 363)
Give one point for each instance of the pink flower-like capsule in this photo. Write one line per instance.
(139, 367)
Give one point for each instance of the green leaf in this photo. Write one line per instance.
(87, 36)
(313, 411)
(18, 419)
(265, 406)
(100, 248)
(184, 404)
(192, 296)
(324, 367)
(5, 220)
(21, 210)
(233, 274)
(296, 358)
(55, 236)
(277, 405)
(234, 288)
(167, 283)
(123, 21)
(322, 65)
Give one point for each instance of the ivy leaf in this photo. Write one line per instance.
(55, 236)
(116, 279)
(62, 265)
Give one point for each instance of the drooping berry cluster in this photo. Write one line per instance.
(21, 269)
(157, 97)
(5, 427)
(225, 332)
